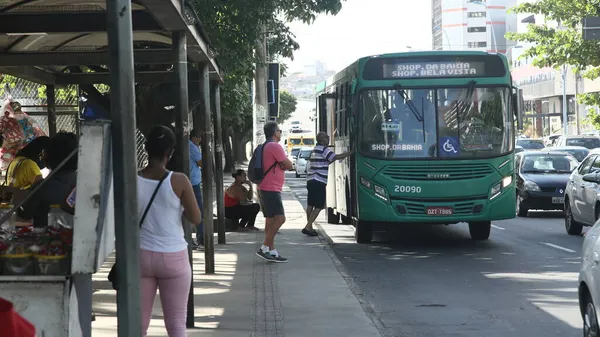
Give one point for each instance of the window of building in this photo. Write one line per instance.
(476, 30)
(477, 44)
(476, 14)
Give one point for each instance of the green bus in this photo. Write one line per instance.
(432, 135)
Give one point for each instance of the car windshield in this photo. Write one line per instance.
(305, 154)
(579, 154)
(452, 123)
(295, 141)
(548, 163)
(588, 143)
(295, 122)
(531, 144)
(295, 152)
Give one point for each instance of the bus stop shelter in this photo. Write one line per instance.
(58, 42)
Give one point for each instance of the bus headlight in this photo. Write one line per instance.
(380, 190)
(365, 182)
(497, 189)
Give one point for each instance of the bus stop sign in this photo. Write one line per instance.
(591, 28)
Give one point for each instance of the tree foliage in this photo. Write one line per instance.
(287, 106)
(554, 47)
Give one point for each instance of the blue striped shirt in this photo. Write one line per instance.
(320, 158)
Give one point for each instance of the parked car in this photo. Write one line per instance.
(579, 152)
(302, 161)
(541, 180)
(531, 143)
(582, 205)
(589, 142)
(589, 281)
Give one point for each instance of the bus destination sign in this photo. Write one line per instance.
(433, 69)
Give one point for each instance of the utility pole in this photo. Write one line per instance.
(565, 105)
(260, 88)
(577, 118)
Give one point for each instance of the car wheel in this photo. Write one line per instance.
(573, 227)
(590, 319)
(522, 211)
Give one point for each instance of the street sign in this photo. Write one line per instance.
(591, 28)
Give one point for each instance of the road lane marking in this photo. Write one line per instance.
(498, 227)
(558, 247)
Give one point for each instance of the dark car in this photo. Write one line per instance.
(579, 152)
(519, 149)
(541, 179)
(530, 143)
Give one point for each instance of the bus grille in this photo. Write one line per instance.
(434, 171)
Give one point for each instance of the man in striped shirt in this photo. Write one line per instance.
(316, 181)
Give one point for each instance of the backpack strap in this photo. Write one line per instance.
(262, 156)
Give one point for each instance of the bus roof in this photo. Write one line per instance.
(353, 68)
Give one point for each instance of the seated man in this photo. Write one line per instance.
(58, 189)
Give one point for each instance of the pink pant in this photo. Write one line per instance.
(171, 273)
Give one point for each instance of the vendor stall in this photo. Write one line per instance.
(46, 272)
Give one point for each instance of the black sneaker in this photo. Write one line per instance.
(311, 232)
(265, 256)
(278, 258)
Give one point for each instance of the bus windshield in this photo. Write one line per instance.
(457, 123)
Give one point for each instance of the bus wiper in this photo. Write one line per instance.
(409, 102)
(468, 97)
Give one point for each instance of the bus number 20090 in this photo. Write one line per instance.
(407, 189)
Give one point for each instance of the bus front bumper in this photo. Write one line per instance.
(375, 209)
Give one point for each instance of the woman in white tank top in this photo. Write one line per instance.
(163, 249)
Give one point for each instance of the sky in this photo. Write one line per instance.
(362, 28)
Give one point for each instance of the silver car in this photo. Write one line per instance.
(589, 281)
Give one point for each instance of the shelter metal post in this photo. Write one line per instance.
(182, 151)
(120, 47)
(204, 115)
(51, 101)
(215, 91)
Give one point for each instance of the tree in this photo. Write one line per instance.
(234, 26)
(555, 47)
(287, 106)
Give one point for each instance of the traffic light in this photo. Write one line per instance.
(273, 90)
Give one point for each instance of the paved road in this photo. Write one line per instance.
(438, 282)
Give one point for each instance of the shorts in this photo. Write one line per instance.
(316, 194)
(270, 203)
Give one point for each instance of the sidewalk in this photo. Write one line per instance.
(249, 297)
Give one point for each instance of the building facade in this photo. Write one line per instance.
(473, 25)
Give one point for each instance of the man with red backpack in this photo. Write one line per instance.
(270, 181)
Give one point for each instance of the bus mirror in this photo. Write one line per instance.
(518, 106)
(285, 142)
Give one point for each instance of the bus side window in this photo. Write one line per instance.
(338, 100)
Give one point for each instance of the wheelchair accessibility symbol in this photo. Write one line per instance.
(449, 147)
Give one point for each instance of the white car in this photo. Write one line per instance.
(302, 161)
(295, 127)
(589, 281)
(293, 155)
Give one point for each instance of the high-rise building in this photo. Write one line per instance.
(472, 25)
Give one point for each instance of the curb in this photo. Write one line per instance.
(354, 288)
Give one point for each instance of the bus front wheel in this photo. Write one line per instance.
(480, 230)
(363, 233)
(332, 216)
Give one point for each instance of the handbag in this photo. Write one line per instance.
(113, 275)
